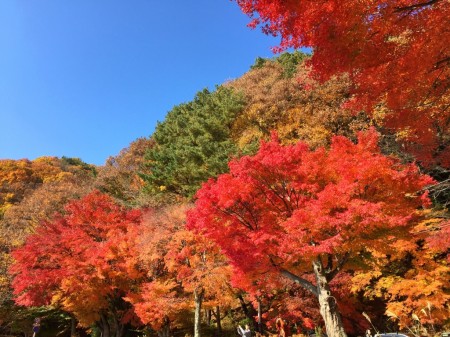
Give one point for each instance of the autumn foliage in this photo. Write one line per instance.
(182, 269)
(83, 261)
(396, 53)
(160, 297)
(276, 100)
(32, 191)
(293, 211)
(308, 214)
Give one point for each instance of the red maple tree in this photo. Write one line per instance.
(292, 211)
(84, 261)
(397, 53)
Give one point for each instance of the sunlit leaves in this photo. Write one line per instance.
(83, 260)
(396, 53)
(177, 263)
(296, 106)
(288, 206)
(193, 143)
(120, 177)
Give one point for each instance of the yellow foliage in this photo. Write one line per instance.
(362, 280)
(384, 284)
(403, 134)
(275, 102)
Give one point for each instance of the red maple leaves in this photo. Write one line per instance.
(288, 208)
(83, 260)
(395, 51)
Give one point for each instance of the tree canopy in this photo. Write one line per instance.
(83, 261)
(396, 53)
(193, 143)
(294, 211)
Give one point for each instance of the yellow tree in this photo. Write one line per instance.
(414, 282)
(280, 96)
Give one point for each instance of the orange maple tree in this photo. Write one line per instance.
(415, 283)
(202, 271)
(396, 52)
(292, 211)
(32, 191)
(184, 271)
(161, 298)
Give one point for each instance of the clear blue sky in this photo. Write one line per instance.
(84, 78)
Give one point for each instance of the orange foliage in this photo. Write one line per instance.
(119, 177)
(178, 263)
(33, 191)
(414, 282)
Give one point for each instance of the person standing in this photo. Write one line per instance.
(279, 323)
(244, 332)
(36, 326)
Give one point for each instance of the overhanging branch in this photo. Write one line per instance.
(304, 283)
(415, 6)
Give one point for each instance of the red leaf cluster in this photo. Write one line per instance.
(288, 205)
(395, 51)
(81, 260)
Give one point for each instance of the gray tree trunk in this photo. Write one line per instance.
(73, 327)
(328, 305)
(198, 298)
(259, 316)
(208, 317)
(119, 328)
(104, 326)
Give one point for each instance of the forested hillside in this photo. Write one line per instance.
(267, 197)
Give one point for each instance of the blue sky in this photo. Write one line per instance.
(84, 78)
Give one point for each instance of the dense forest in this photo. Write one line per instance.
(314, 190)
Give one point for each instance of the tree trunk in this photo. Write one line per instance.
(328, 305)
(73, 327)
(104, 326)
(208, 317)
(259, 316)
(219, 322)
(165, 328)
(250, 313)
(118, 327)
(198, 298)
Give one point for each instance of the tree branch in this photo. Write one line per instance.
(442, 63)
(332, 273)
(412, 7)
(304, 283)
(329, 266)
